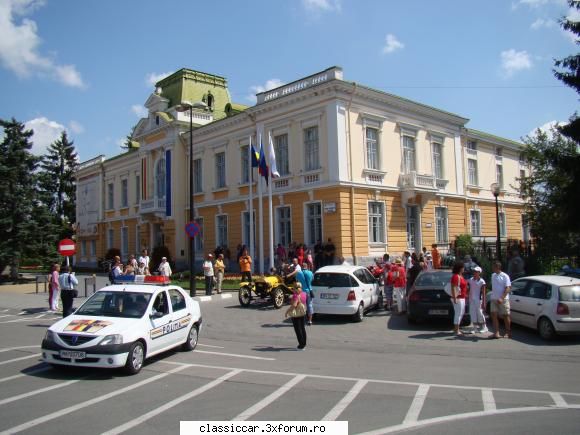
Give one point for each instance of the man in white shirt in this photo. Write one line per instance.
(165, 268)
(477, 292)
(208, 274)
(500, 302)
(144, 258)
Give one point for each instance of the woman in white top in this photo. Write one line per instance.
(477, 292)
(208, 274)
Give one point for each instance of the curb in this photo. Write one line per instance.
(210, 298)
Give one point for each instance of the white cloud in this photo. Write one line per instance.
(257, 89)
(76, 127)
(392, 44)
(513, 61)
(322, 5)
(139, 110)
(19, 45)
(536, 3)
(45, 133)
(152, 78)
(542, 23)
(547, 128)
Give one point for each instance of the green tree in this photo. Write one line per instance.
(18, 196)
(57, 182)
(552, 192)
(569, 72)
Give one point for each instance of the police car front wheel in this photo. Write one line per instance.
(135, 358)
(192, 338)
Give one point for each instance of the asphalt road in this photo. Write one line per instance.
(381, 375)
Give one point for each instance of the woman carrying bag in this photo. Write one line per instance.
(297, 312)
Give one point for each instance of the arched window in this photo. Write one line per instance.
(160, 178)
(210, 101)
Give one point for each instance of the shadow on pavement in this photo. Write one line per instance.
(273, 349)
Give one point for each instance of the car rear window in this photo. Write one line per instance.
(438, 279)
(334, 280)
(570, 293)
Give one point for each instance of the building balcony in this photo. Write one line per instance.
(152, 206)
(425, 183)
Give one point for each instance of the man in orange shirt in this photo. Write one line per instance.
(436, 256)
(246, 266)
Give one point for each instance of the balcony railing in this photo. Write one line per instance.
(155, 205)
(416, 181)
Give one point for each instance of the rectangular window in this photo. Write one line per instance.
(437, 161)
(110, 196)
(83, 248)
(472, 146)
(124, 242)
(408, 154)
(441, 234)
(311, 158)
(245, 159)
(197, 176)
(137, 189)
(472, 172)
(137, 239)
(281, 148)
(110, 238)
(284, 221)
(246, 228)
(125, 193)
(522, 159)
(222, 230)
(475, 223)
(376, 222)
(498, 152)
(313, 223)
(372, 145)
(199, 238)
(220, 170)
(502, 224)
(93, 248)
(499, 175)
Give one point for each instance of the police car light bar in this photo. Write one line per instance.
(142, 279)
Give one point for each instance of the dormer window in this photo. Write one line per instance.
(157, 120)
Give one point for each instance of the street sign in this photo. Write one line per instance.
(192, 229)
(67, 247)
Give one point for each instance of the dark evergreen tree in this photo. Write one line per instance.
(569, 72)
(18, 199)
(57, 183)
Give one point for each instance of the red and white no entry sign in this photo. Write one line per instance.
(67, 247)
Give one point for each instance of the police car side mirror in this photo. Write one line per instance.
(156, 315)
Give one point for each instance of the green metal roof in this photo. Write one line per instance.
(493, 137)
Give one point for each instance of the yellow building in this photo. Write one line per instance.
(370, 170)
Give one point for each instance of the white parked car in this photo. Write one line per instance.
(549, 303)
(123, 324)
(345, 290)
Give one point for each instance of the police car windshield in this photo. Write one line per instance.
(116, 304)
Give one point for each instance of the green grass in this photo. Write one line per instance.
(200, 284)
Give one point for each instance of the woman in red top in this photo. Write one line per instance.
(300, 254)
(400, 285)
(458, 295)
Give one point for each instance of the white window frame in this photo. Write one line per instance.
(245, 164)
(418, 231)
(137, 188)
(282, 154)
(409, 165)
(110, 238)
(372, 162)
(277, 223)
(477, 232)
(382, 223)
(307, 234)
(111, 196)
(124, 192)
(246, 228)
(311, 156)
(502, 223)
(160, 184)
(83, 248)
(218, 240)
(499, 175)
(445, 229)
(93, 246)
(434, 145)
(475, 172)
(220, 170)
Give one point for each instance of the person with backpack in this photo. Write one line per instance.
(458, 295)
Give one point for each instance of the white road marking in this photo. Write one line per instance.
(236, 355)
(335, 412)
(268, 399)
(8, 349)
(3, 311)
(457, 417)
(70, 409)
(137, 421)
(209, 345)
(8, 361)
(28, 373)
(22, 313)
(417, 404)
(488, 399)
(40, 316)
(6, 315)
(226, 295)
(27, 319)
(558, 400)
(203, 298)
(39, 391)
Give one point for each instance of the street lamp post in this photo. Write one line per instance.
(184, 107)
(495, 189)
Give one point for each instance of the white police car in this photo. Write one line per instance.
(123, 324)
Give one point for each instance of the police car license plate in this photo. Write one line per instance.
(328, 296)
(73, 354)
(438, 312)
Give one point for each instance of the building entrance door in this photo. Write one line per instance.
(413, 229)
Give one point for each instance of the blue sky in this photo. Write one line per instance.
(88, 66)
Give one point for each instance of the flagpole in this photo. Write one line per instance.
(261, 219)
(271, 215)
(251, 199)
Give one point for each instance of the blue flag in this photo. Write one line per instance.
(263, 166)
(255, 157)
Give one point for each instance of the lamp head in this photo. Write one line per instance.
(495, 189)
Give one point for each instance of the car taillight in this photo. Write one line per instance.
(351, 296)
(414, 297)
(562, 309)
